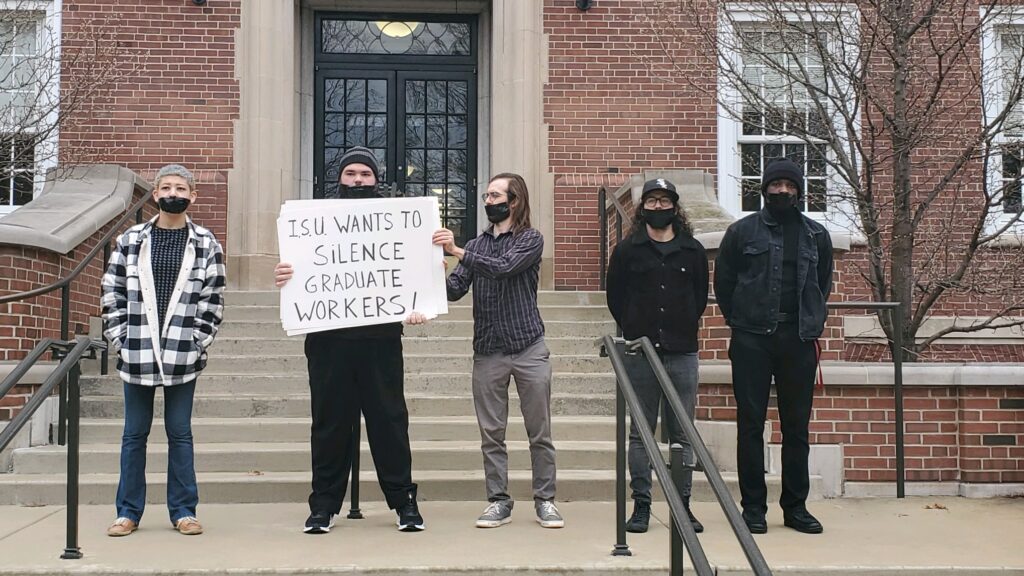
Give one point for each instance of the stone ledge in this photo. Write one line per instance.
(76, 201)
(881, 374)
(964, 489)
(35, 375)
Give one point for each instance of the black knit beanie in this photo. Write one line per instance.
(783, 168)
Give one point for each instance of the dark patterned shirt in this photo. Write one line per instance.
(503, 273)
(167, 248)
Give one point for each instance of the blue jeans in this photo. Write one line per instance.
(682, 369)
(182, 492)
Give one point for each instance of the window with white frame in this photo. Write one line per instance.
(1009, 48)
(29, 77)
(765, 114)
(773, 110)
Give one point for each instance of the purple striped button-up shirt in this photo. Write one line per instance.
(503, 272)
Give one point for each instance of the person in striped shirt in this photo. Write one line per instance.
(502, 265)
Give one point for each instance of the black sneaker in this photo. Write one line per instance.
(409, 519)
(319, 523)
(641, 517)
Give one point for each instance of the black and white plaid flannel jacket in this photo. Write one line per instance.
(193, 314)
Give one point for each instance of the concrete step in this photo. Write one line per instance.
(297, 382)
(256, 346)
(257, 486)
(295, 456)
(414, 363)
(297, 405)
(544, 298)
(440, 327)
(223, 430)
(455, 312)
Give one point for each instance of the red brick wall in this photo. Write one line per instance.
(968, 434)
(607, 113)
(176, 98)
(15, 400)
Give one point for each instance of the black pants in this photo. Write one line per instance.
(346, 376)
(756, 358)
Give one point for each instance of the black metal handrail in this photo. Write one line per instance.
(610, 347)
(66, 375)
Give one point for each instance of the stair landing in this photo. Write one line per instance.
(877, 537)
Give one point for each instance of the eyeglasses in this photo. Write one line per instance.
(492, 196)
(659, 202)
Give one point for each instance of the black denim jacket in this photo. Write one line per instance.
(748, 275)
(659, 296)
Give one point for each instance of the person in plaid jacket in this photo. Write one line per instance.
(163, 299)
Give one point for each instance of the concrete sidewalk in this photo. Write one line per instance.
(863, 537)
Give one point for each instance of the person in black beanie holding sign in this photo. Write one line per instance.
(352, 370)
(658, 287)
(773, 276)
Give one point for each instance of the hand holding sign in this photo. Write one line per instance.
(358, 262)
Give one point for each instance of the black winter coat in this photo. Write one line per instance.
(659, 296)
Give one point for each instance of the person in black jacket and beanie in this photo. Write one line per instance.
(773, 276)
(658, 287)
(353, 370)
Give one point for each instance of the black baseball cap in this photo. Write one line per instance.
(660, 184)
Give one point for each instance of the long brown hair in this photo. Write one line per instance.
(518, 200)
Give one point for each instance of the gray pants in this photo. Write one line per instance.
(531, 369)
(682, 369)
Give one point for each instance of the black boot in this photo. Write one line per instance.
(697, 526)
(640, 519)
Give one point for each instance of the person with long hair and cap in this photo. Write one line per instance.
(353, 370)
(502, 266)
(657, 286)
(773, 276)
(163, 300)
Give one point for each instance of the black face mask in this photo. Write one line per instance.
(355, 191)
(173, 204)
(659, 219)
(781, 205)
(497, 212)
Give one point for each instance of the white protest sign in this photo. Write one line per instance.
(359, 262)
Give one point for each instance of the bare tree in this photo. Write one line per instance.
(908, 116)
(51, 80)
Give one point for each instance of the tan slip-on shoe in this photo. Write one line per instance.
(189, 526)
(122, 527)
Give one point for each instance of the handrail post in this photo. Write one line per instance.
(72, 551)
(105, 355)
(602, 214)
(62, 413)
(897, 363)
(62, 406)
(353, 511)
(621, 547)
(676, 546)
